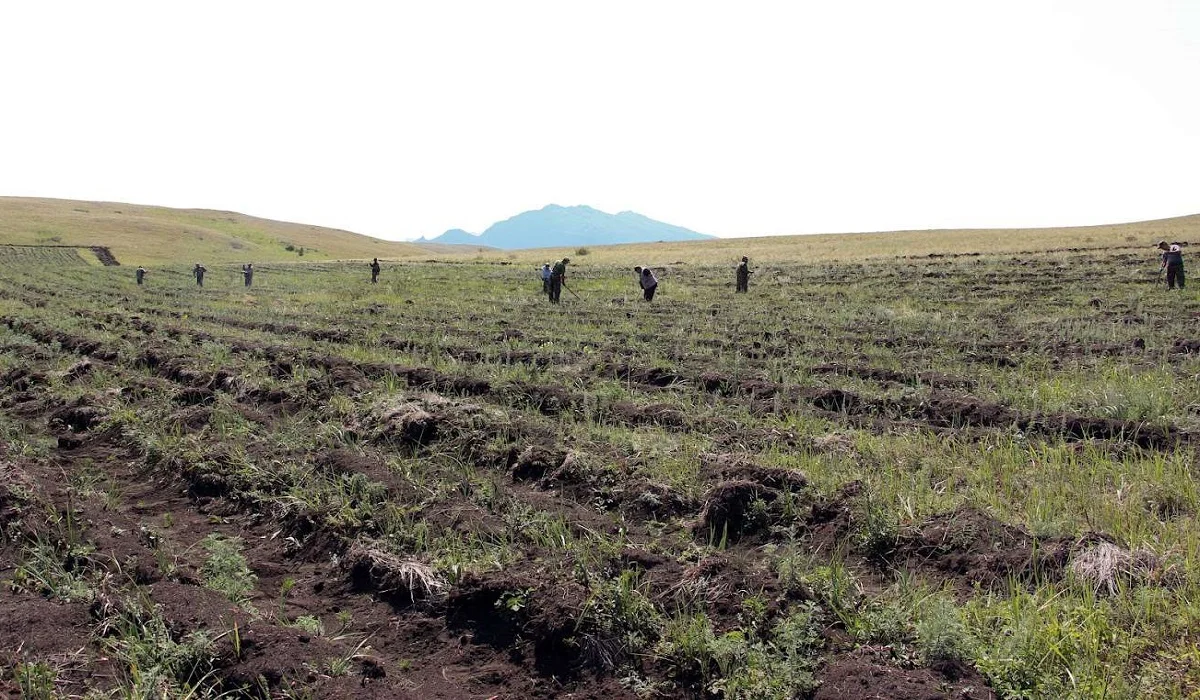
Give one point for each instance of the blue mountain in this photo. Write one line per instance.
(557, 226)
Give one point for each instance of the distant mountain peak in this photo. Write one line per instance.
(555, 225)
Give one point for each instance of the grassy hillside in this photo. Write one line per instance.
(159, 235)
(860, 246)
(145, 235)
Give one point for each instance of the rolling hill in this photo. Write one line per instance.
(1137, 237)
(142, 235)
(558, 226)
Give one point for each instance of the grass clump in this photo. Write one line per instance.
(226, 569)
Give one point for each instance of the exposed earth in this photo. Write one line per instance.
(853, 482)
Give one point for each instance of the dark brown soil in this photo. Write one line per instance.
(868, 673)
(968, 547)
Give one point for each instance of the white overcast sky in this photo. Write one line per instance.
(400, 119)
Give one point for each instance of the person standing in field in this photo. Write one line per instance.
(743, 275)
(558, 278)
(1172, 262)
(547, 273)
(647, 281)
(140, 275)
(198, 272)
(375, 271)
(248, 273)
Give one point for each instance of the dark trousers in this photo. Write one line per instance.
(648, 293)
(555, 288)
(374, 278)
(743, 284)
(199, 280)
(546, 286)
(1174, 274)
(248, 278)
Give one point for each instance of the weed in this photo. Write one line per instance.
(941, 634)
(310, 624)
(226, 569)
(36, 679)
(285, 587)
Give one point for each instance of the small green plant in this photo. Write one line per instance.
(310, 624)
(836, 586)
(46, 569)
(687, 647)
(619, 610)
(152, 662)
(879, 531)
(285, 587)
(36, 679)
(778, 668)
(513, 601)
(226, 569)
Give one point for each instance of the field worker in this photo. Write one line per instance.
(648, 282)
(140, 274)
(375, 271)
(546, 274)
(1173, 263)
(248, 273)
(198, 272)
(743, 275)
(558, 278)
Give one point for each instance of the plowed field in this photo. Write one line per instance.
(954, 477)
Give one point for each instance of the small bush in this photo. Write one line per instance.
(582, 251)
(226, 570)
(941, 633)
(879, 532)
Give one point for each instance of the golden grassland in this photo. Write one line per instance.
(863, 246)
(144, 235)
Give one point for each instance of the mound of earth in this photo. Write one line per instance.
(423, 419)
(970, 547)
(868, 673)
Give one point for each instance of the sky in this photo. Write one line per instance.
(402, 119)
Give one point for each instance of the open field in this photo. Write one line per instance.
(951, 477)
(144, 235)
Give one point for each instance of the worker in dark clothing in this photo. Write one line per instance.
(647, 281)
(743, 275)
(140, 275)
(1172, 262)
(248, 273)
(198, 272)
(375, 271)
(558, 278)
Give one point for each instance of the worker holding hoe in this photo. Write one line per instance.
(743, 275)
(1172, 262)
(647, 281)
(248, 273)
(140, 275)
(558, 279)
(198, 272)
(375, 271)
(546, 273)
